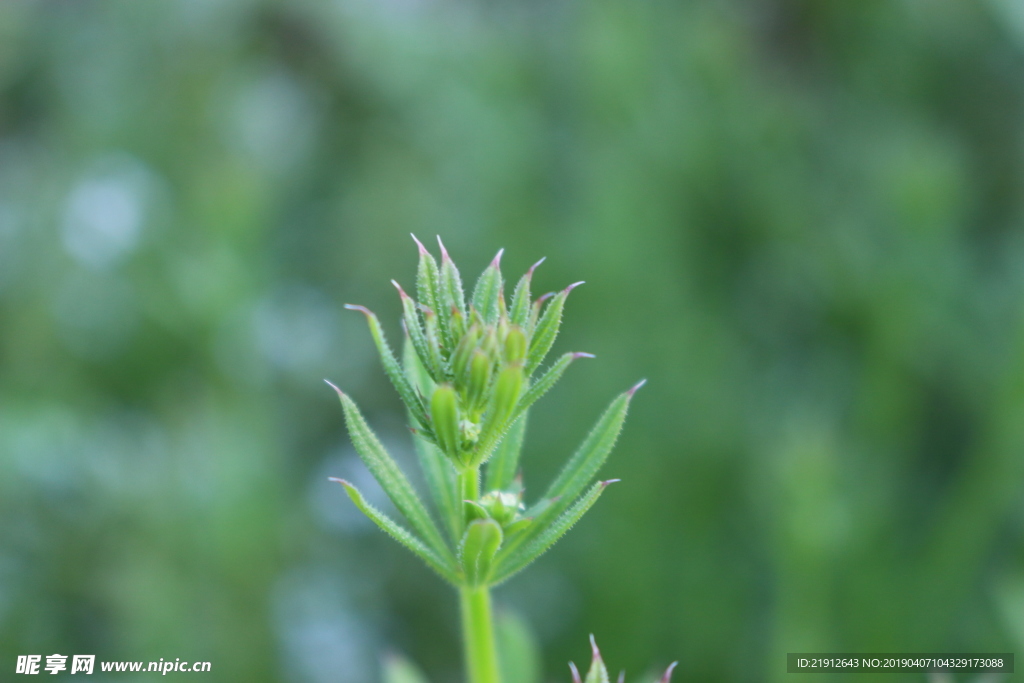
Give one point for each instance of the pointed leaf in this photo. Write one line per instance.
(598, 672)
(394, 482)
(479, 546)
(427, 278)
(515, 346)
(437, 469)
(547, 380)
(489, 291)
(507, 389)
(668, 672)
(414, 331)
(393, 369)
(519, 310)
(400, 534)
(578, 472)
(503, 465)
(584, 464)
(511, 560)
(444, 413)
(547, 329)
(450, 294)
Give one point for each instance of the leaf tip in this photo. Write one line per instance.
(581, 354)
(636, 387)
(575, 673)
(622, 676)
(362, 309)
(343, 482)
(444, 252)
(496, 262)
(594, 651)
(668, 673)
(400, 290)
(574, 286)
(608, 482)
(423, 249)
(544, 297)
(529, 273)
(332, 385)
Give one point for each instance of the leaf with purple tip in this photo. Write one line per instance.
(546, 330)
(393, 369)
(547, 380)
(598, 672)
(511, 560)
(390, 476)
(519, 310)
(437, 470)
(449, 294)
(582, 467)
(488, 295)
(415, 332)
(427, 277)
(507, 389)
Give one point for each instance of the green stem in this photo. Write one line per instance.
(469, 484)
(478, 631)
(477, 619)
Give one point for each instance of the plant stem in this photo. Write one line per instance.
(469, 483)
(478, 631)
(477, 619)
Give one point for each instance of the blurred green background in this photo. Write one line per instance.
(800, 219)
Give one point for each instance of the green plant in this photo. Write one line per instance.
(471, 371)
(598, 672)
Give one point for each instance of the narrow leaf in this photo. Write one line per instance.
(510, 560)
(479, 546)
(507, 389)
(394, 482)
(427, 278)
(584, 464)
(547, 380)
(416, 335)
(450, 294)
(437, 470)
(578, 472)
(489, 291)
(444, 412)
(503, 465)
(519, 311)
(396, 531)
(515, 346)
(598, 672)
(547, 329)
(393, 369)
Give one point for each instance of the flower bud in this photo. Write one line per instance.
(444, 413)
(515, 346)
(479, 380)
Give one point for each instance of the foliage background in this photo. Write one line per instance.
(802, 220)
